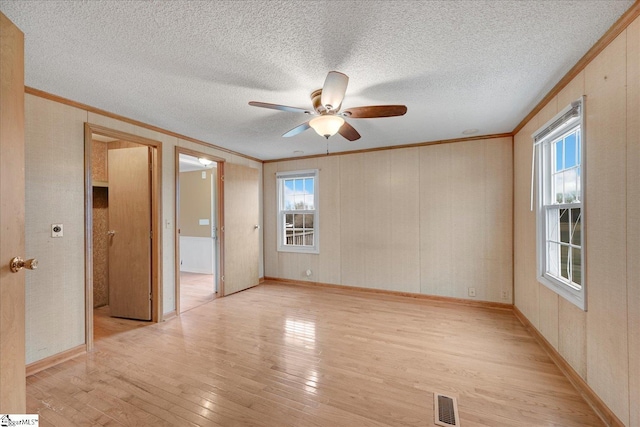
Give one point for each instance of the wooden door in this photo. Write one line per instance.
(241, 232)
(12, 299)
(130, 232)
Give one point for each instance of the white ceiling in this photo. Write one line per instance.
(191, 67)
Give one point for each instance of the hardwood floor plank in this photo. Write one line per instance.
(288, 355)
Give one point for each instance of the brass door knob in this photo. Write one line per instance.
(18, 264)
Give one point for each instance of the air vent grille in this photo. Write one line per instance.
(445, 410)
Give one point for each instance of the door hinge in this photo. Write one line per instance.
(222, 228)
(150, 296)
(151, 234)
(222, 178)
(222, 278)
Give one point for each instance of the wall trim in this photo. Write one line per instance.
(61, 100)
(433, 298)
(616, 29)
(397, 147)
(47, 362)
(587, 393)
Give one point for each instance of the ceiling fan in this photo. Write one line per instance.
(326, 103)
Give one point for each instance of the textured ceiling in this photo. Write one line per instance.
(191, 67)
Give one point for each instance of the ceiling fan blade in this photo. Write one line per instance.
(281, 107)
(373, 111)
(335, 86)
(347, 131)
(296, 130)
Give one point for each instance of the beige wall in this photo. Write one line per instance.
(430, 220)
(55, 194)
(195, 203)
(602, 344)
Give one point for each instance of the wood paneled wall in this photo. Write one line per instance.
(55, 297)
(54, 146)
(430, 220)
(602, 344)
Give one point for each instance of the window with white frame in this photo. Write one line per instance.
(298, 211)
(559, 159)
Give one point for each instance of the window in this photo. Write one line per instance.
(298, 211)
(559, 159)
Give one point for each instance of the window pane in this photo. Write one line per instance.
(308, 185)
(558, 188)
(299, 185)
(308, 202)
(570, 151)
(288, 202)
(298, 202)
(288, 185)
(564, 225)
(576, 227)
(570, 185)
(288, 229)
(553, 225)
(308, 221)
(308, 230)
(564, 261)
(576, 266)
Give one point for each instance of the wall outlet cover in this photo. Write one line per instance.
(57, 230)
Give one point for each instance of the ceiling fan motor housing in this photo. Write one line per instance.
(316, 97)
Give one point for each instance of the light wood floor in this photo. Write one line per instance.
(195, 290)
(286, 355)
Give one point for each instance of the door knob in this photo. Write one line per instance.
(111, 233)
(18, 264)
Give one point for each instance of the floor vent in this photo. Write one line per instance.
(445, 410)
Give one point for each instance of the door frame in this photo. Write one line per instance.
(156, 221)
(220, 214)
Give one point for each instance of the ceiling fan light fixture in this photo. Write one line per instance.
(327, 125)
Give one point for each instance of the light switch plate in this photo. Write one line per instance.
(56, 230)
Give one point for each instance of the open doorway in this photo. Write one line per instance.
(197, 229)
(123, 237)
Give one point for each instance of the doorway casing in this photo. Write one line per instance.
(156, 221)
(219, 213)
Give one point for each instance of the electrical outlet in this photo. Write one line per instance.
(56, 230)
(505, 294)
(472, 292)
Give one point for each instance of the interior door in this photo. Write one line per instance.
(12, 297)
(130, 232)
(241, 231)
